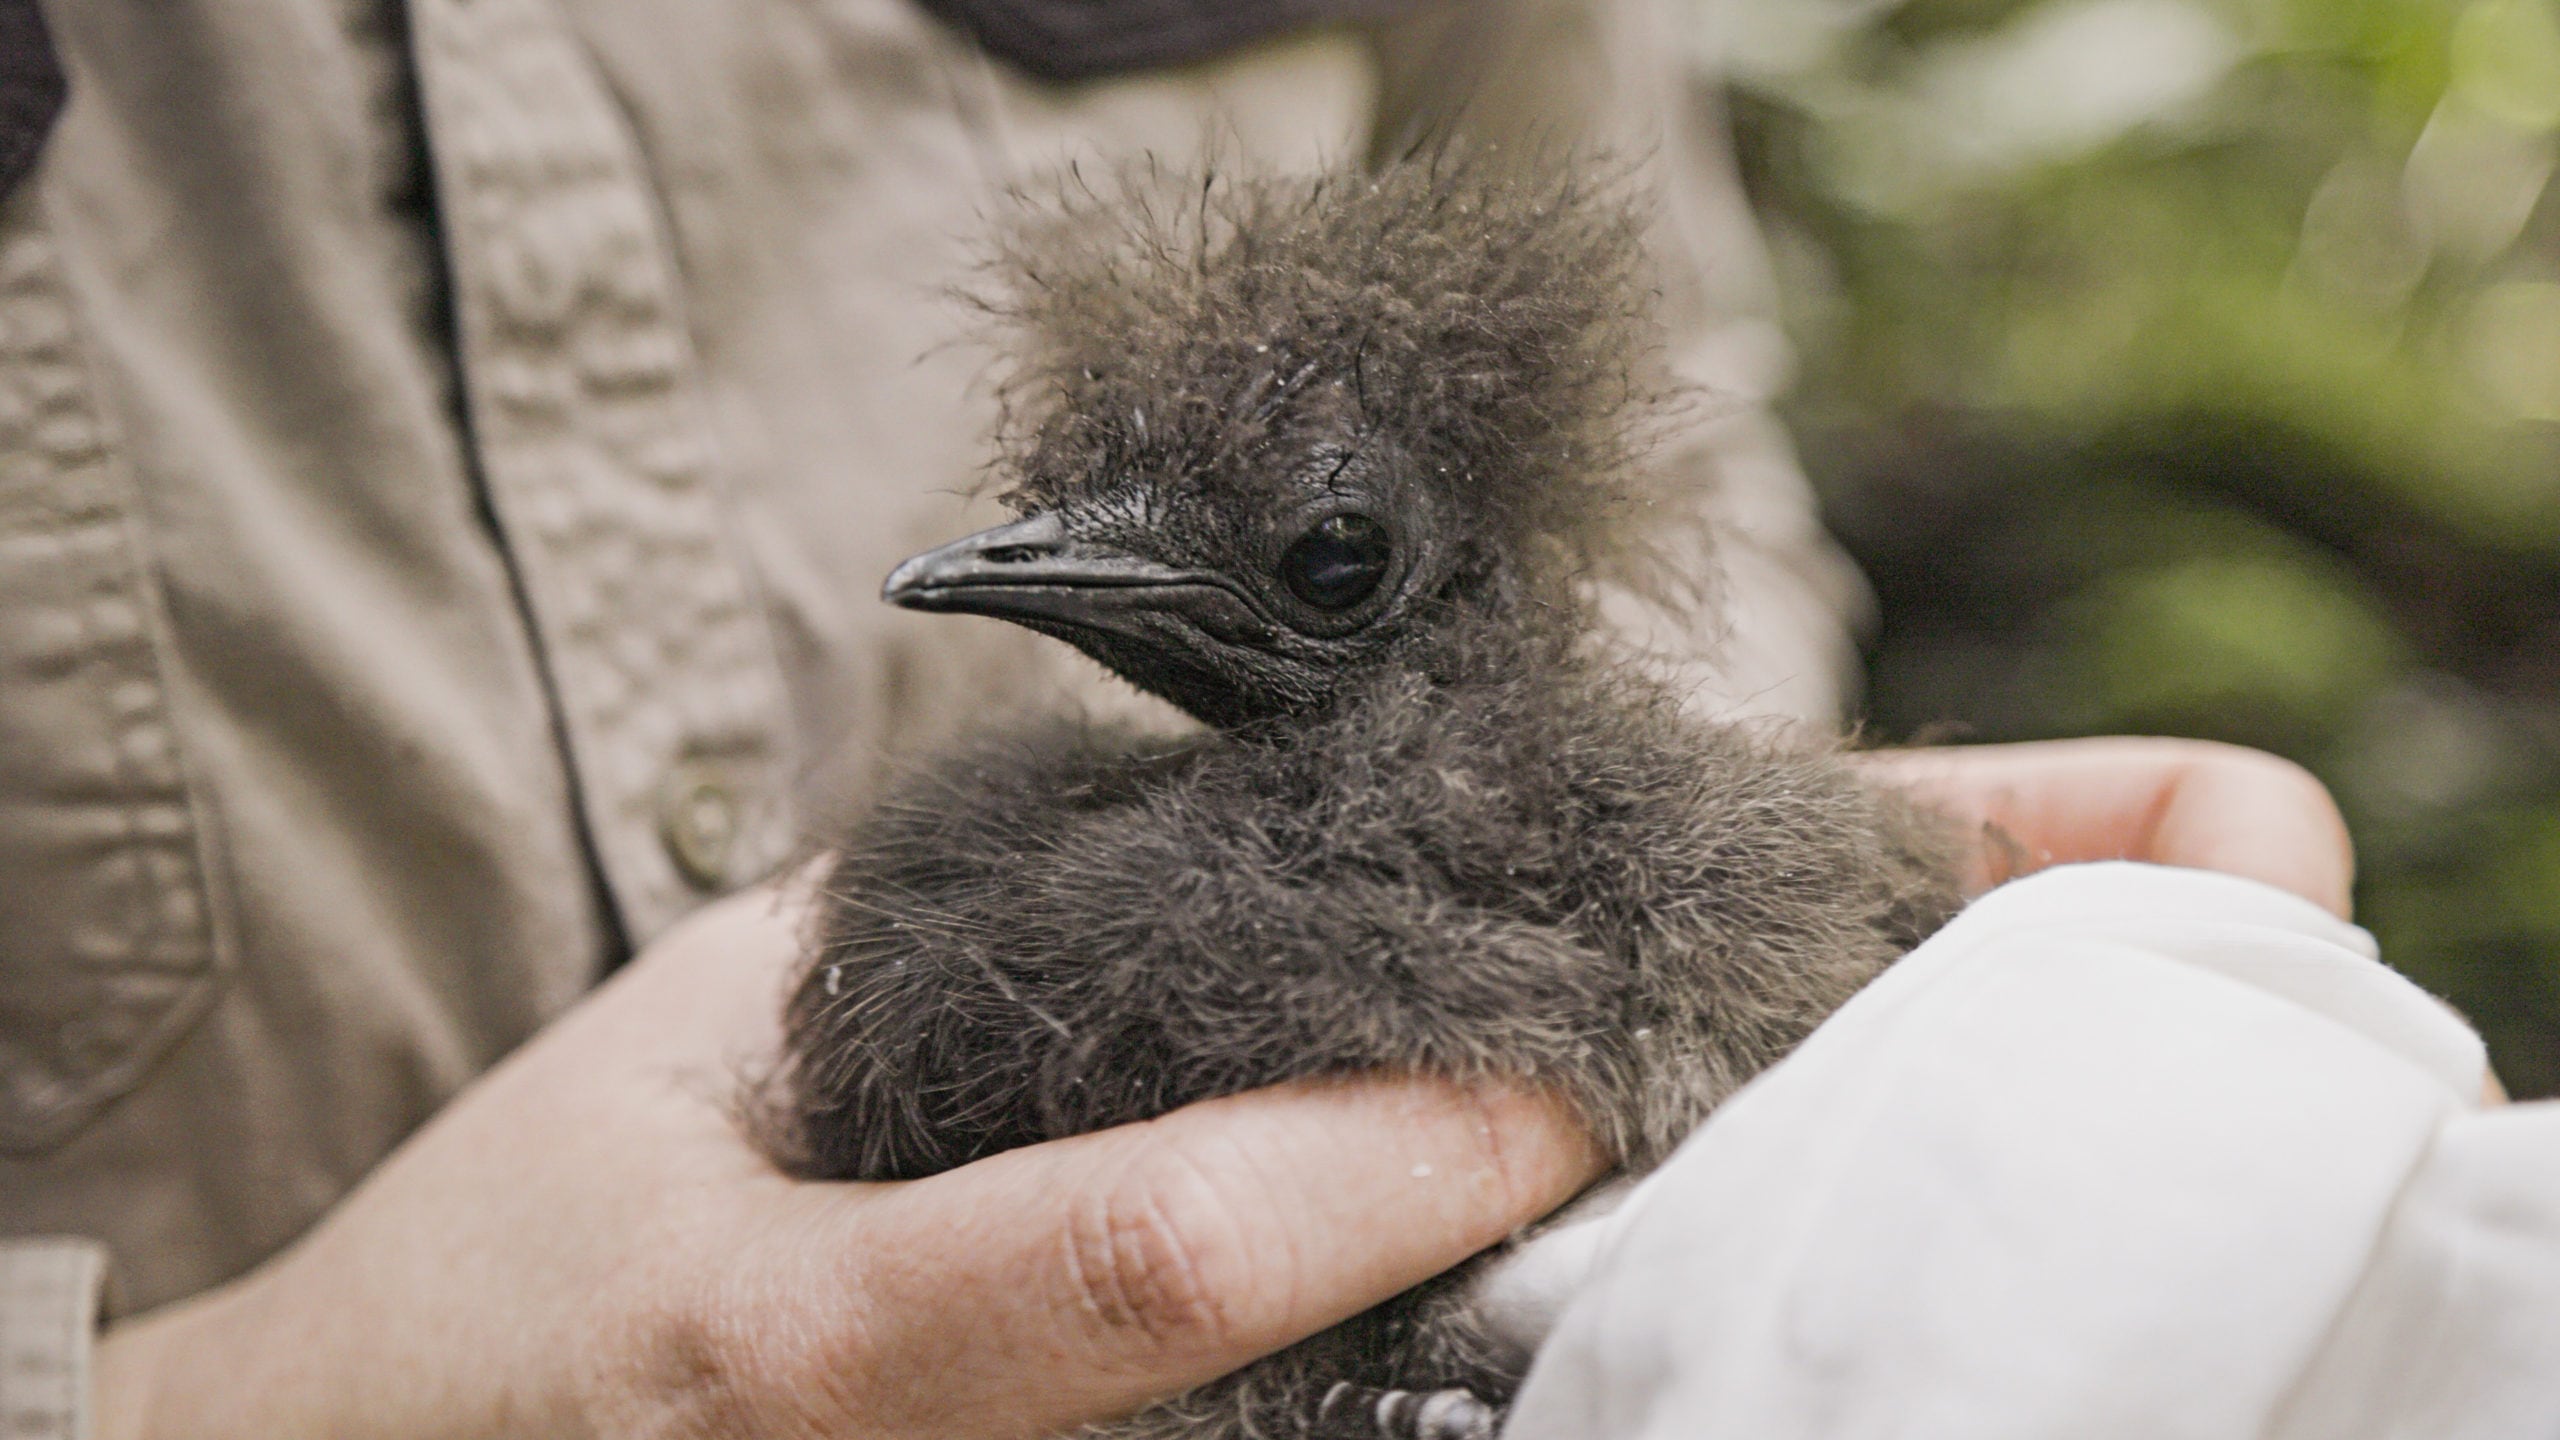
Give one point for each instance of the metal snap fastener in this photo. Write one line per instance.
(698, 822)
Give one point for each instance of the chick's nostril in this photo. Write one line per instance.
(1016, 554)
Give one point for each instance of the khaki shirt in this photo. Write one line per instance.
(447, 463)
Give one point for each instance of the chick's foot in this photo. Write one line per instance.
(1357, 1412)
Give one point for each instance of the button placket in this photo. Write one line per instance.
(593, 438)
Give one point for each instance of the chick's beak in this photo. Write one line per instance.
(1034, 570)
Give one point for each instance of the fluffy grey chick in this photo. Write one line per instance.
(1332, 463)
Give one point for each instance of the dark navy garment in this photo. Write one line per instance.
(1082, 39)
(31, 89)
(1051, 39)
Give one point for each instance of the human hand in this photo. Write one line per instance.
(2189, 803)
(584, 1244)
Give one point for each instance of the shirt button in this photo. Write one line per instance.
(698, 817)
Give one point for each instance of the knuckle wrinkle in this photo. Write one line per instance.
(1156, 1254)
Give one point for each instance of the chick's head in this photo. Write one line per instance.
(1266, 433)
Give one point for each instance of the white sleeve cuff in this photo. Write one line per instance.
(49, 1293)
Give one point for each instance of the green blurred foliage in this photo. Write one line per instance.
(2193, 367)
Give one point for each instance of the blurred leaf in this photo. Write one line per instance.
(2256, 649)
(2194, 365)
(2511, 338)
(2506, 61)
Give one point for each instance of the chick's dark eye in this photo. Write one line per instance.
(1338, 563)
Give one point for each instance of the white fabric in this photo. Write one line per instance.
(2123, 1152)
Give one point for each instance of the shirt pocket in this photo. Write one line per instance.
(108, 951)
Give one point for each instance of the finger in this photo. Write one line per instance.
(1075, 1281)
(713, 987)
(2171, 802)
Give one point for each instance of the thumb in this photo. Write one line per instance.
(1076, 1281)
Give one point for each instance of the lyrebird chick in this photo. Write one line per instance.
(1332, 464)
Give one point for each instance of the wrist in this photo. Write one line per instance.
(205, 1368)
(122, 1372)
(131, 1370)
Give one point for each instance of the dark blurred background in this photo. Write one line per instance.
(2193, 367)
